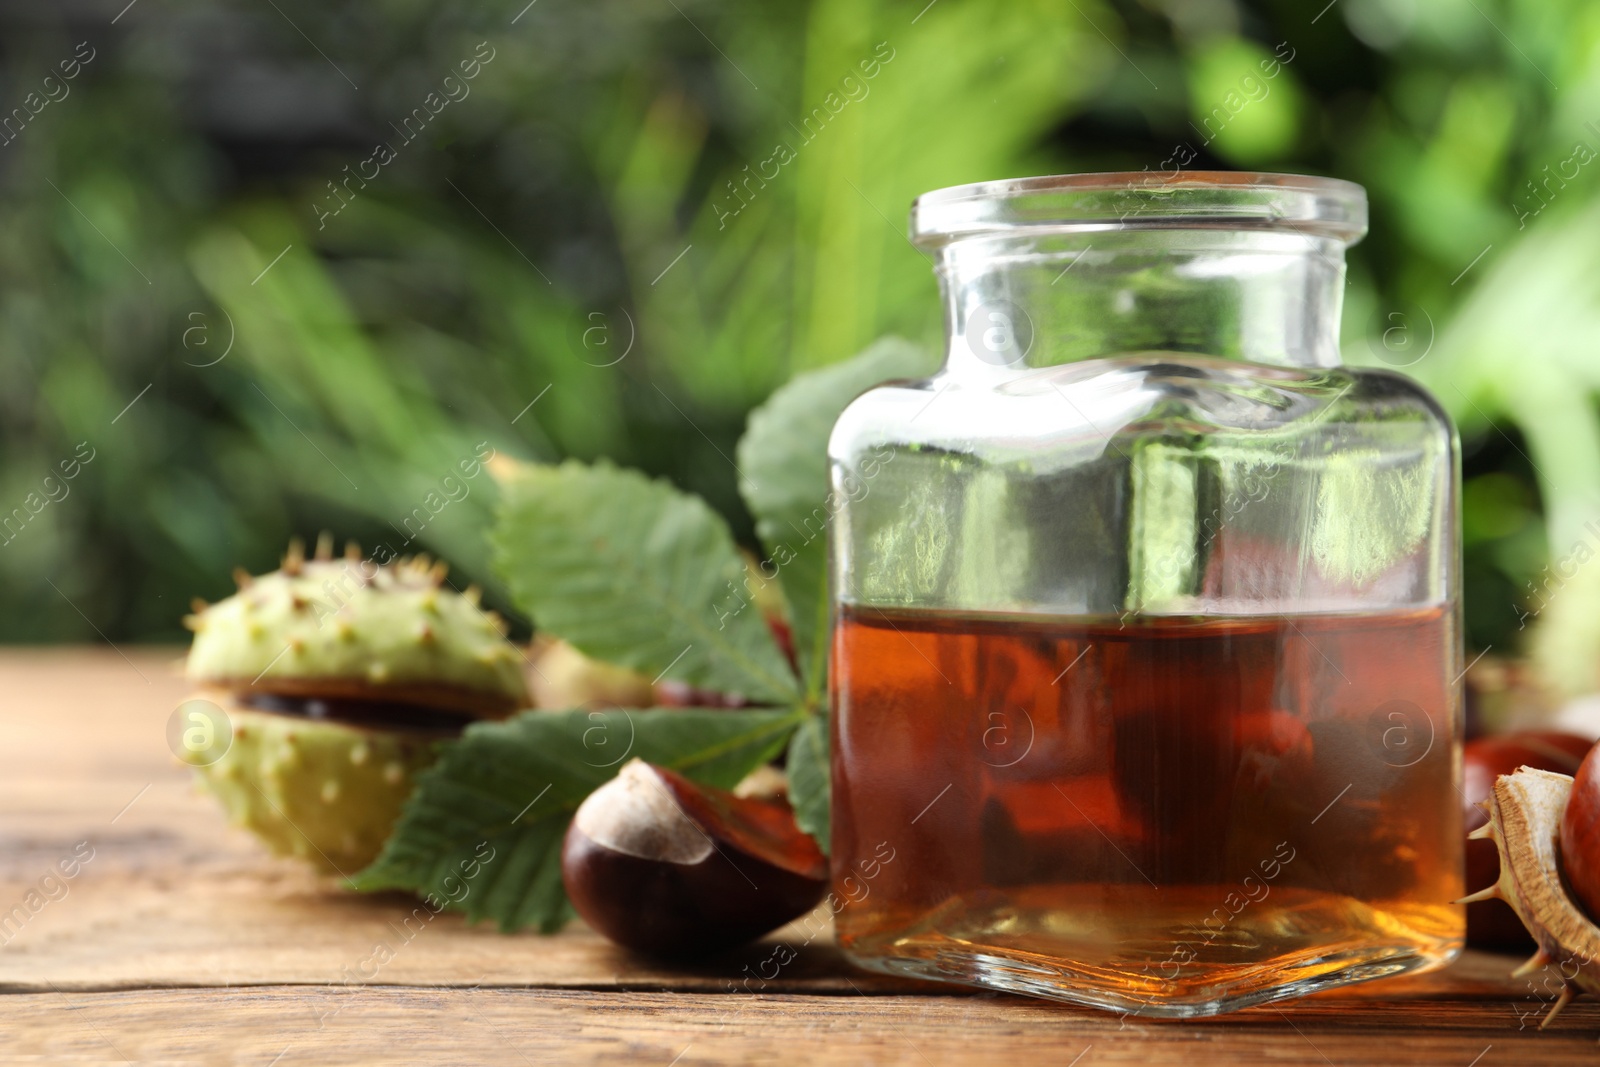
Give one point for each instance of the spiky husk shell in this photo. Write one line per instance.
(350, 628)
(326, 792)
(1525, 812)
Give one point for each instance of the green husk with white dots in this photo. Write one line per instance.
(350, 627)
(324, 790)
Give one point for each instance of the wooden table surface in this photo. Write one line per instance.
(181, 941)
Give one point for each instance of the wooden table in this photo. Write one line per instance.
(181, 941)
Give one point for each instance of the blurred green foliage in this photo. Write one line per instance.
(640, 217)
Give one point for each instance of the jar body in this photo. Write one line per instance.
(1146, 665)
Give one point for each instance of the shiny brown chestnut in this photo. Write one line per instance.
(664, 866)
(1492, 923)
(1580, 835)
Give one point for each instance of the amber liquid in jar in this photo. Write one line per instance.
(1168, 815)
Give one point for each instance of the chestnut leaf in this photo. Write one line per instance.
(808, 767)
(634, 572)
(482, 832)
(784, 478)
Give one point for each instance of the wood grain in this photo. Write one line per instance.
(181, 941)
(517, 1026)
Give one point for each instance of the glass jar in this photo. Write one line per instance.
(1147, 650)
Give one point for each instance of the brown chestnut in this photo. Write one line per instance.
(1580, 835)
(1492, 923)
(662, 865)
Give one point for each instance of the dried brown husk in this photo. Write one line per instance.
(1525, 813)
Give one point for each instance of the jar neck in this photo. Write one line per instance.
(1039, 298)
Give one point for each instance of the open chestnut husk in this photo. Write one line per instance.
(1492, 923)
(1526, 813)
(665, 866)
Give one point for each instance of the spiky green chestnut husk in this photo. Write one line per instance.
(336, 638)
(326, 792)
(350, 628)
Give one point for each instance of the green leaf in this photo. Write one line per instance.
(783, 462)
(809, 777)
(482, 833)
(633, 572)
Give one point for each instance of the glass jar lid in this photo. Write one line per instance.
(1225, 200)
